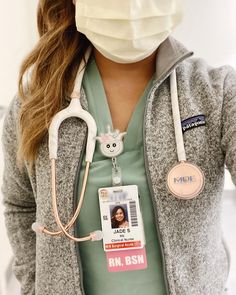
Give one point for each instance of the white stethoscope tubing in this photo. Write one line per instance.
(75, 110)
(176, 117)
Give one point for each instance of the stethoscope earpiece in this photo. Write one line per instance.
(96, 235)
(38, 228)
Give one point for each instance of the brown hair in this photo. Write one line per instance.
(53, 64)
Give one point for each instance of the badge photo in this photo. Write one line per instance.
(121, 219)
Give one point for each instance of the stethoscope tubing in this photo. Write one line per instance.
(63, 228)
(176, 117)
(75, 110)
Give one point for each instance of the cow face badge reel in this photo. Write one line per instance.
(111, 146)
(120, 213)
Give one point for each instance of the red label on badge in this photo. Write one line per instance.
(124, 245)
(126, 260)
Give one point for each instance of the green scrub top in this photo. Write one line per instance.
(96, 278)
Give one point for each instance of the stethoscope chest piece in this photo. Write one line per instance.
(185, 180)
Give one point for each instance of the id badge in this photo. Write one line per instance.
(121, 218)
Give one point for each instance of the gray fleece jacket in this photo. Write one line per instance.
(195, 260)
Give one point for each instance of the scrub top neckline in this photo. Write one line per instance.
(133, 137)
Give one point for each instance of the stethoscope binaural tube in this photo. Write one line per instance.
(73, 110)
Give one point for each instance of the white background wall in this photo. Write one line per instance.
(209, 29)
(18, 34)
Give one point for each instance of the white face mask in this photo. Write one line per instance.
(127, 31)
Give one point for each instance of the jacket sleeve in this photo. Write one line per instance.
(229, 123)
(19, 202)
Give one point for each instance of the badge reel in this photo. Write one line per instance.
(111, 146)
(122, 224)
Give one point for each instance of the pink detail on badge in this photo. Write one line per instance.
(123, 245)
(126, 260)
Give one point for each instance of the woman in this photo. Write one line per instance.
(118, 217)
(127, 86)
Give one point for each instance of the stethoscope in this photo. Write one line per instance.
(184, 180)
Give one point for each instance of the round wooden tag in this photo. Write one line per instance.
(185, 180)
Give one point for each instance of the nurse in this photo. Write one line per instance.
(155, 108)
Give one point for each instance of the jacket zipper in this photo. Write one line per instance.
(75, 197)
(150, 97)
(152, 93)
(75, 193)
